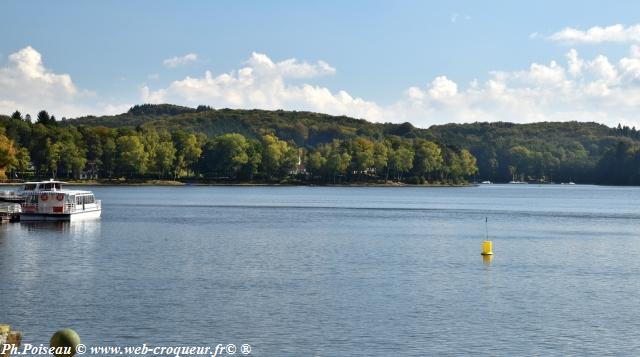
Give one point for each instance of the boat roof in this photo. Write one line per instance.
(48, 181)
(64, 192)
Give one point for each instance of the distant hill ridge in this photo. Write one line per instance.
(250, 122)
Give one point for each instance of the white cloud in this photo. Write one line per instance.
(456, 16)
(289, 68)
(599, 89)
(180, 61)
(598, 34)
(585, 90)
(443, 88)
(27, 85)
(574, 62)
(263, 84)
(582, 89)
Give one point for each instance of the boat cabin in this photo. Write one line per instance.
(42, 186)
(59, 203)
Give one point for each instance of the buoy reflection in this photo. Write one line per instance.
(486, 259)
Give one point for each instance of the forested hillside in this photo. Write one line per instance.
(172, 142)
(561, 152)
(169, 141)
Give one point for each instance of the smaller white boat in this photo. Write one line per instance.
(19, 195)
(48, 201)
(486, 182)
(518, 182)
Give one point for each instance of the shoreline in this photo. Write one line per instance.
(243, 184)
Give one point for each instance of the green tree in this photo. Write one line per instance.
(165, 154)
(468, 164)
(316, 162)
(53, 158)
(337, 164)
(160, 151)
(7, 155)
(278, 157)
(363, 155)
(381, 159)
(428, 159)
(132, 158)
(254, 154)
(71, 159)
(226, 155)
(401, 161)
(23, 160)
(109, 158)
(188, 152)
(45, 119)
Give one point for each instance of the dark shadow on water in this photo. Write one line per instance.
(65, 226)
(49, 226)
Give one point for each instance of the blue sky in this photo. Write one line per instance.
(425, 62)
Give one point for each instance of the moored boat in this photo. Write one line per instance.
(52, 203)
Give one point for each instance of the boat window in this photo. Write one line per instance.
(30, 187)
(32, 199)
(88, 199)
(50, 186)
(71, 198)
(78, 200)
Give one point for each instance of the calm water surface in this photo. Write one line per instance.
(319, 271)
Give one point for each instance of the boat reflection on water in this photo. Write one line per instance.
(80, 227)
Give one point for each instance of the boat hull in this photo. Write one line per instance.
(58, 217)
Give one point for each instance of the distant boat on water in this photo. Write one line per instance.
(518, 182)
(486, 182)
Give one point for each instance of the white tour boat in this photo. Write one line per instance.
(48, 201)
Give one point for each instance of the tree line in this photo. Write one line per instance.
(61, 149)
(548, 151)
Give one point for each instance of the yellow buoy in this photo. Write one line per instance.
(487, 246)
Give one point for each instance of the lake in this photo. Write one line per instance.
(336, 271)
